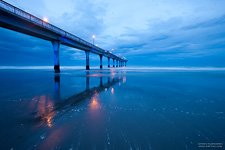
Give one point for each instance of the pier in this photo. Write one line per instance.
(18, 20)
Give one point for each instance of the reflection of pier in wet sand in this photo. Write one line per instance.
(88, 93)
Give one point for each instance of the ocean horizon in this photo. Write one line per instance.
(181, 68)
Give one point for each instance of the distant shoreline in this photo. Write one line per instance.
(124, 68)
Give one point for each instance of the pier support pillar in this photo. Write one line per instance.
(113, 63)
(108, 62)
(56, 45)
(116, 63)
(125, 64)
(87, 60)
(100, 61)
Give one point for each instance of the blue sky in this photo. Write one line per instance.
(146, 32)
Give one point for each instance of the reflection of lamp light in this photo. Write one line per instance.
(49, 118)
(112, 90)
(46, 111)
(94, 102)
(124, 79)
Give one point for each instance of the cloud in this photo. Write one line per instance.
(205, 40)
(157, 30)
(207, 24)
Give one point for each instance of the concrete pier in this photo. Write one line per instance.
(108, 62)
(100, 56)
(56, 45)
(15, 19)
(87, 60)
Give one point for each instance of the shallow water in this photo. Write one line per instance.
(111, 109)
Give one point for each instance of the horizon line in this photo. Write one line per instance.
(129, 67)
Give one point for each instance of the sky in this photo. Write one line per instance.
(146, 32)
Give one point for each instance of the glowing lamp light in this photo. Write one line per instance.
(45, 19)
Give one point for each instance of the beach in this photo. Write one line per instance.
(112, 108)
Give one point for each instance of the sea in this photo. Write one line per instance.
(128, 108)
